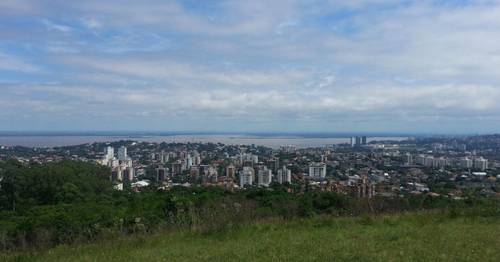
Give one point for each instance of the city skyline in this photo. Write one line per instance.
(250, 66)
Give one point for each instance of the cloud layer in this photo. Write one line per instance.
(284, 65)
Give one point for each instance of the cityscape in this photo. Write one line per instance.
(249, 130)
(434, 166)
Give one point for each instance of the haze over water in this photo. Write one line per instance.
(269, 141)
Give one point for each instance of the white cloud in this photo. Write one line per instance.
(293, 60)
(57, 27)
(12, 63)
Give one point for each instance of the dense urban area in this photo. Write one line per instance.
(448, 166)
(91, 192)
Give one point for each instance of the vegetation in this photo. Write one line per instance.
(57, 204)
(423, 236)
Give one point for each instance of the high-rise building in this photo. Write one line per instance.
(317, 170)
(231, 171)
(161, 174)
(440, 162)
(128, 174)
(408, 159)
(122, 153)
(428, 161)
(189, 161)
(358, 140)
(284, 175)
(480, 163)
(264, 177)
(466, 162)
(246, 176)
(177, 168)
(364, 188)
(110, 153)
(197, 159)
(273, 163)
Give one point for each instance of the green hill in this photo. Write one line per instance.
(422, 236)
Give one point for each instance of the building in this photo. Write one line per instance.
(273, 163)
(194, 175)
(189, 161)
(358, 141)
(284, 175)
(428, 161)
(177, 168)
(317, 170)
(408, 159)
(480, 163)
(231, 172)
(246, 176)
(466, 163)
(110, 153)
(122, 153)
(128, 174)
(161, 174)
(440, 162)
(264, 177)
(364, 188)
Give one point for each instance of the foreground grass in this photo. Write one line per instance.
(409, 237)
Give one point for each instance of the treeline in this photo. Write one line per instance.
(67, 202)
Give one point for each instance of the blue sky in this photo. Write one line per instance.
(281, 65)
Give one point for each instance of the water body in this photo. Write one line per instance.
(268, 141)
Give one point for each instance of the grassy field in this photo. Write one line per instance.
(408, 237)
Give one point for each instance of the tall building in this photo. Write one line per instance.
(161, 174)
(439, 162)
(273, 163)
(194, 175)
(364, 188)
(428, 161)
(420, 159)
(358, 140)
(128, 174)
(264, 177)
(231, 171)
(197, 159)
(110, 153)
(189, 161)
(122, 153)
(284, 175)
(466, 163)
(317, 170)
(246, 176)
(481, 163)
(408, 159)
(177, 168)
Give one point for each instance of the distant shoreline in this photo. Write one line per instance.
(268, 141)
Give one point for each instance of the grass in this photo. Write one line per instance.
(420, 236)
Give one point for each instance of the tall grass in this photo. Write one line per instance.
(421, 236)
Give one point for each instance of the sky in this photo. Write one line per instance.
(253, 66)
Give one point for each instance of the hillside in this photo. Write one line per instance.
(419, 236)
